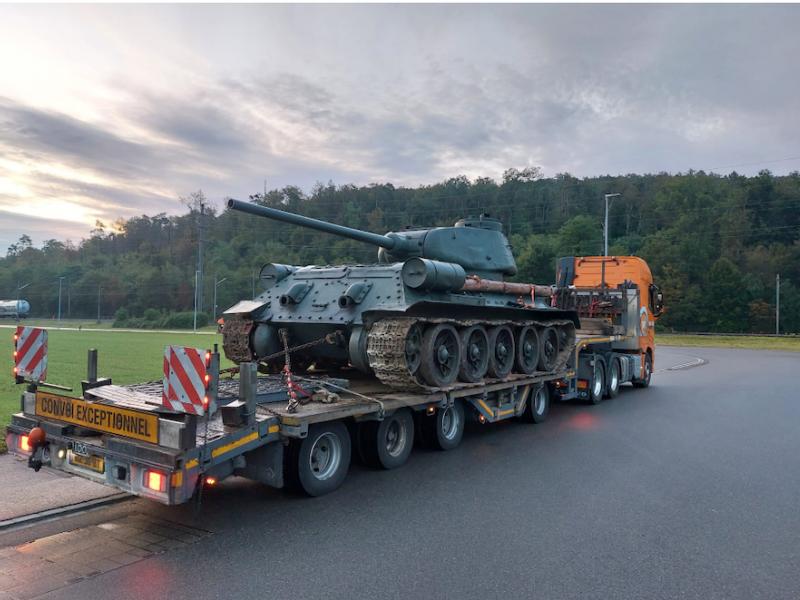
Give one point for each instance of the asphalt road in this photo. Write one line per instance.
(688, 489)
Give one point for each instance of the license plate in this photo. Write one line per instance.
(93, 463)
(80, 448)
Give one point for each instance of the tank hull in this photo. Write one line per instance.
(335, 317)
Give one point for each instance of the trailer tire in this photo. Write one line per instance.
(538, 405)
(444, 430)
(597, 385)
(387, 444)
(318, 464)
(613, 381)
(648, 373)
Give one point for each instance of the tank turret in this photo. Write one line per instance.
(478, 244)
(434, 311)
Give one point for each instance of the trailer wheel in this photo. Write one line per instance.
(322, 458)
(612, 385)
(444, 430)
(387, 444)
(538, 405)
(648, 373)
(597, 385)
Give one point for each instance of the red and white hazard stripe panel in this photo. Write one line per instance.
(30, 353)
(187, 380)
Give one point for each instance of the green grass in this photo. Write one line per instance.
(77, 323)
(724, 341)
(126, 357)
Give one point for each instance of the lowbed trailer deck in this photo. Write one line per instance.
(192, 451)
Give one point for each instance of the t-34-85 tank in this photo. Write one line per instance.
(435, 310)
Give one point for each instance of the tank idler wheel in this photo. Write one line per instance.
(548, 349)
(441, 355)
(527, 350)
(474, 354)
(501, 351)
(444, 430)
(387, 444)
(414, 348)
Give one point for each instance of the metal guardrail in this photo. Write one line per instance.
(708, 333)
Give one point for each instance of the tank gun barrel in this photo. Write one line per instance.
(280, 215)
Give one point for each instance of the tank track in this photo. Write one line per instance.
(386, 344)
(236, 338)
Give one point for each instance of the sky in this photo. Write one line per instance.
(109, 112)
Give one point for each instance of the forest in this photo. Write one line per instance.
(715, 243)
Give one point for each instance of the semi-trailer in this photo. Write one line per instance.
(299, 427)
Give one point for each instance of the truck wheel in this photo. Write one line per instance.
(612, 385)
(444, 430)
(387, 444)
(648, 373)
(322, 458)
(538, 405)
(597, 384)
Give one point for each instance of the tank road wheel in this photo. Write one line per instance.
(319, 463)
(612, 385)
(648, 373)
(387, 444)
(548, 350)
(474, 354)
(538, 405)
(501, 351)
(444, 430)
(414, 348)
(441, 355)
(596, 387)
(527, 350)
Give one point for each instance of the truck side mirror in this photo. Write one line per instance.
(656, 300)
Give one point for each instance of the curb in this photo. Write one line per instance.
(61, 511)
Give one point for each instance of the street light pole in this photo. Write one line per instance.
(605, 226)
(19, 289)
(60, 280)
(196, 277)
(216, 285)
(778, 304)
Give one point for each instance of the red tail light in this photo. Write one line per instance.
(155, 480)
(23, 443)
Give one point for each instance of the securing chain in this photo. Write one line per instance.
(330, 338)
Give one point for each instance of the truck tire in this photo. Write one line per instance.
(319, 463)
(444, 430)
(597, 384)
(538, 405)
(648, 373)
(387, 444)
(612, 383)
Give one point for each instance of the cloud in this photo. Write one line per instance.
(99, 124)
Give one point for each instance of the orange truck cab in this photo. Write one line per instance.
(618, 304)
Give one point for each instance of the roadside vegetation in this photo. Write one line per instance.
(714, 243)
(754, 342)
